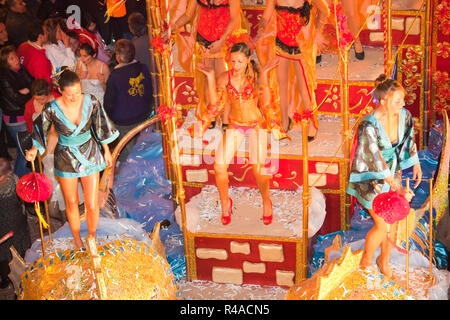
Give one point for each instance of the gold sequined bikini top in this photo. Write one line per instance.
(248, 93)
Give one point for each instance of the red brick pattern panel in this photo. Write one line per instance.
(236, 260)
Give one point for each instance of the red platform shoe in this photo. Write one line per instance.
(268, 219)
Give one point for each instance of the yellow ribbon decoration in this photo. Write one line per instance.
(38, 212)
(110, 10)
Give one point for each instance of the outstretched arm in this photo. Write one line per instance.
(217, 98)
(322, 13)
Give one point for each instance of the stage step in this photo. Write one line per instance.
(246, 251)
(203, 212)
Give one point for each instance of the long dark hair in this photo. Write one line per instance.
(252, 70)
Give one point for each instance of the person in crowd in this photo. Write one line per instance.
(74, 44)
(12, 219)
(15, 84)
(32, 52)
(3, 10)
(117, 12)
(33, 6)
(103, 52)
(57, 48)
(251, 105)
(385, 146)
(52, 9)
(128, 96)
(93, 72)
(98, 10)
(138, 27)
(3, 134)
(17, 20)
(4, 39)
(84, 131)
(42, 93)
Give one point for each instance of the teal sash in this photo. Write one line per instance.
(73, 141)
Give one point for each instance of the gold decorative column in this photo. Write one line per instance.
(154, 25)
(169, 128)
(306, 200)
(345, 129)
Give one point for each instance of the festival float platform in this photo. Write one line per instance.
(239, 248)
(212, 249)
(248, 260)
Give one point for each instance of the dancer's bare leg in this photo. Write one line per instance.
(69, 188)
(374, 238)
(283, 84)
(350, 8)
(90, 186)
(231, 141)
(383, 258)
(304, 94)
(258, 153)
(219, 68)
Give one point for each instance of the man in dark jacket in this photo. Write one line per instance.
(128, 95)
(52, 9)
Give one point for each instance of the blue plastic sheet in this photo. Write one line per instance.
(106, 227)
(143, 197)
(144, 194)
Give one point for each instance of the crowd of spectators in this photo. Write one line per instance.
(38, 40)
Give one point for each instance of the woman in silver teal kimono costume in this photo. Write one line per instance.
(82, 126)
(385, 146)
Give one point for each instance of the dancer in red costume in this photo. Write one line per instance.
(288, 29)
(251, 113)
(213, 21)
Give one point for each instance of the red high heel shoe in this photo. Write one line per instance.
(268, 219)
(227, 219)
